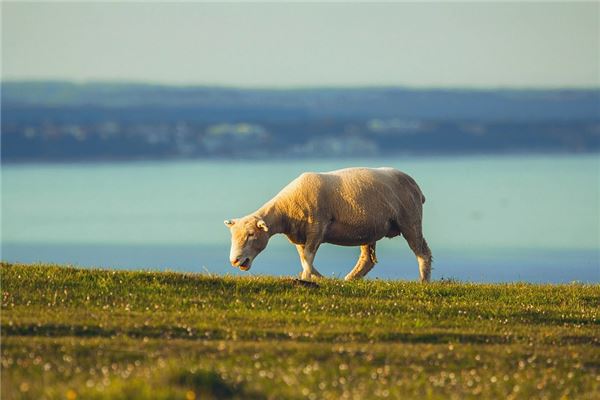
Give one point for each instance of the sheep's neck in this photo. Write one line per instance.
(274, 218)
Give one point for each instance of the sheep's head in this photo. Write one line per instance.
(249, 236)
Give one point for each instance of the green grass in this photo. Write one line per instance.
(95, 334)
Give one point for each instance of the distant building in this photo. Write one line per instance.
(234, 138)
(394, 126)
(336, 147)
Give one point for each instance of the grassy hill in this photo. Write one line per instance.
(86, 334)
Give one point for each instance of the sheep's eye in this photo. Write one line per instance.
(251, 236)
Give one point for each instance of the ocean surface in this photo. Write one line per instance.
(486, 218)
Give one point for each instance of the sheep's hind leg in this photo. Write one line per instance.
(307, 256)
(365, 263)
(418, 245)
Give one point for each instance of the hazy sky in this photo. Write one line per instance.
(305, 44)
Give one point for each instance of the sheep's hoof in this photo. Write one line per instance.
(310, 276)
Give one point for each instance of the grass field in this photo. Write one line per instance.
(93, 334)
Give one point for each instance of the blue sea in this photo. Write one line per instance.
(487, 218)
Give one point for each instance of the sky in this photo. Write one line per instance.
(439, 44)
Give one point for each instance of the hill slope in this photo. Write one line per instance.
(80, 333)
(62, 121)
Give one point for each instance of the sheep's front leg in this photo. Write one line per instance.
(307, 254)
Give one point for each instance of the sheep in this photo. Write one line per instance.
(347, 207)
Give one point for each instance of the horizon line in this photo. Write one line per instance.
(132, 82)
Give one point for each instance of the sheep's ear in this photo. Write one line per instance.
(229, 222)
(262, 225)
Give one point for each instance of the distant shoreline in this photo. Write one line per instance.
(44, 121)
(275, 158)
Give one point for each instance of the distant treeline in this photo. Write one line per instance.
(64, 121)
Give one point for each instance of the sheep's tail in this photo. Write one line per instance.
(416, 186)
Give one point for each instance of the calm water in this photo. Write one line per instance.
(486, 218)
